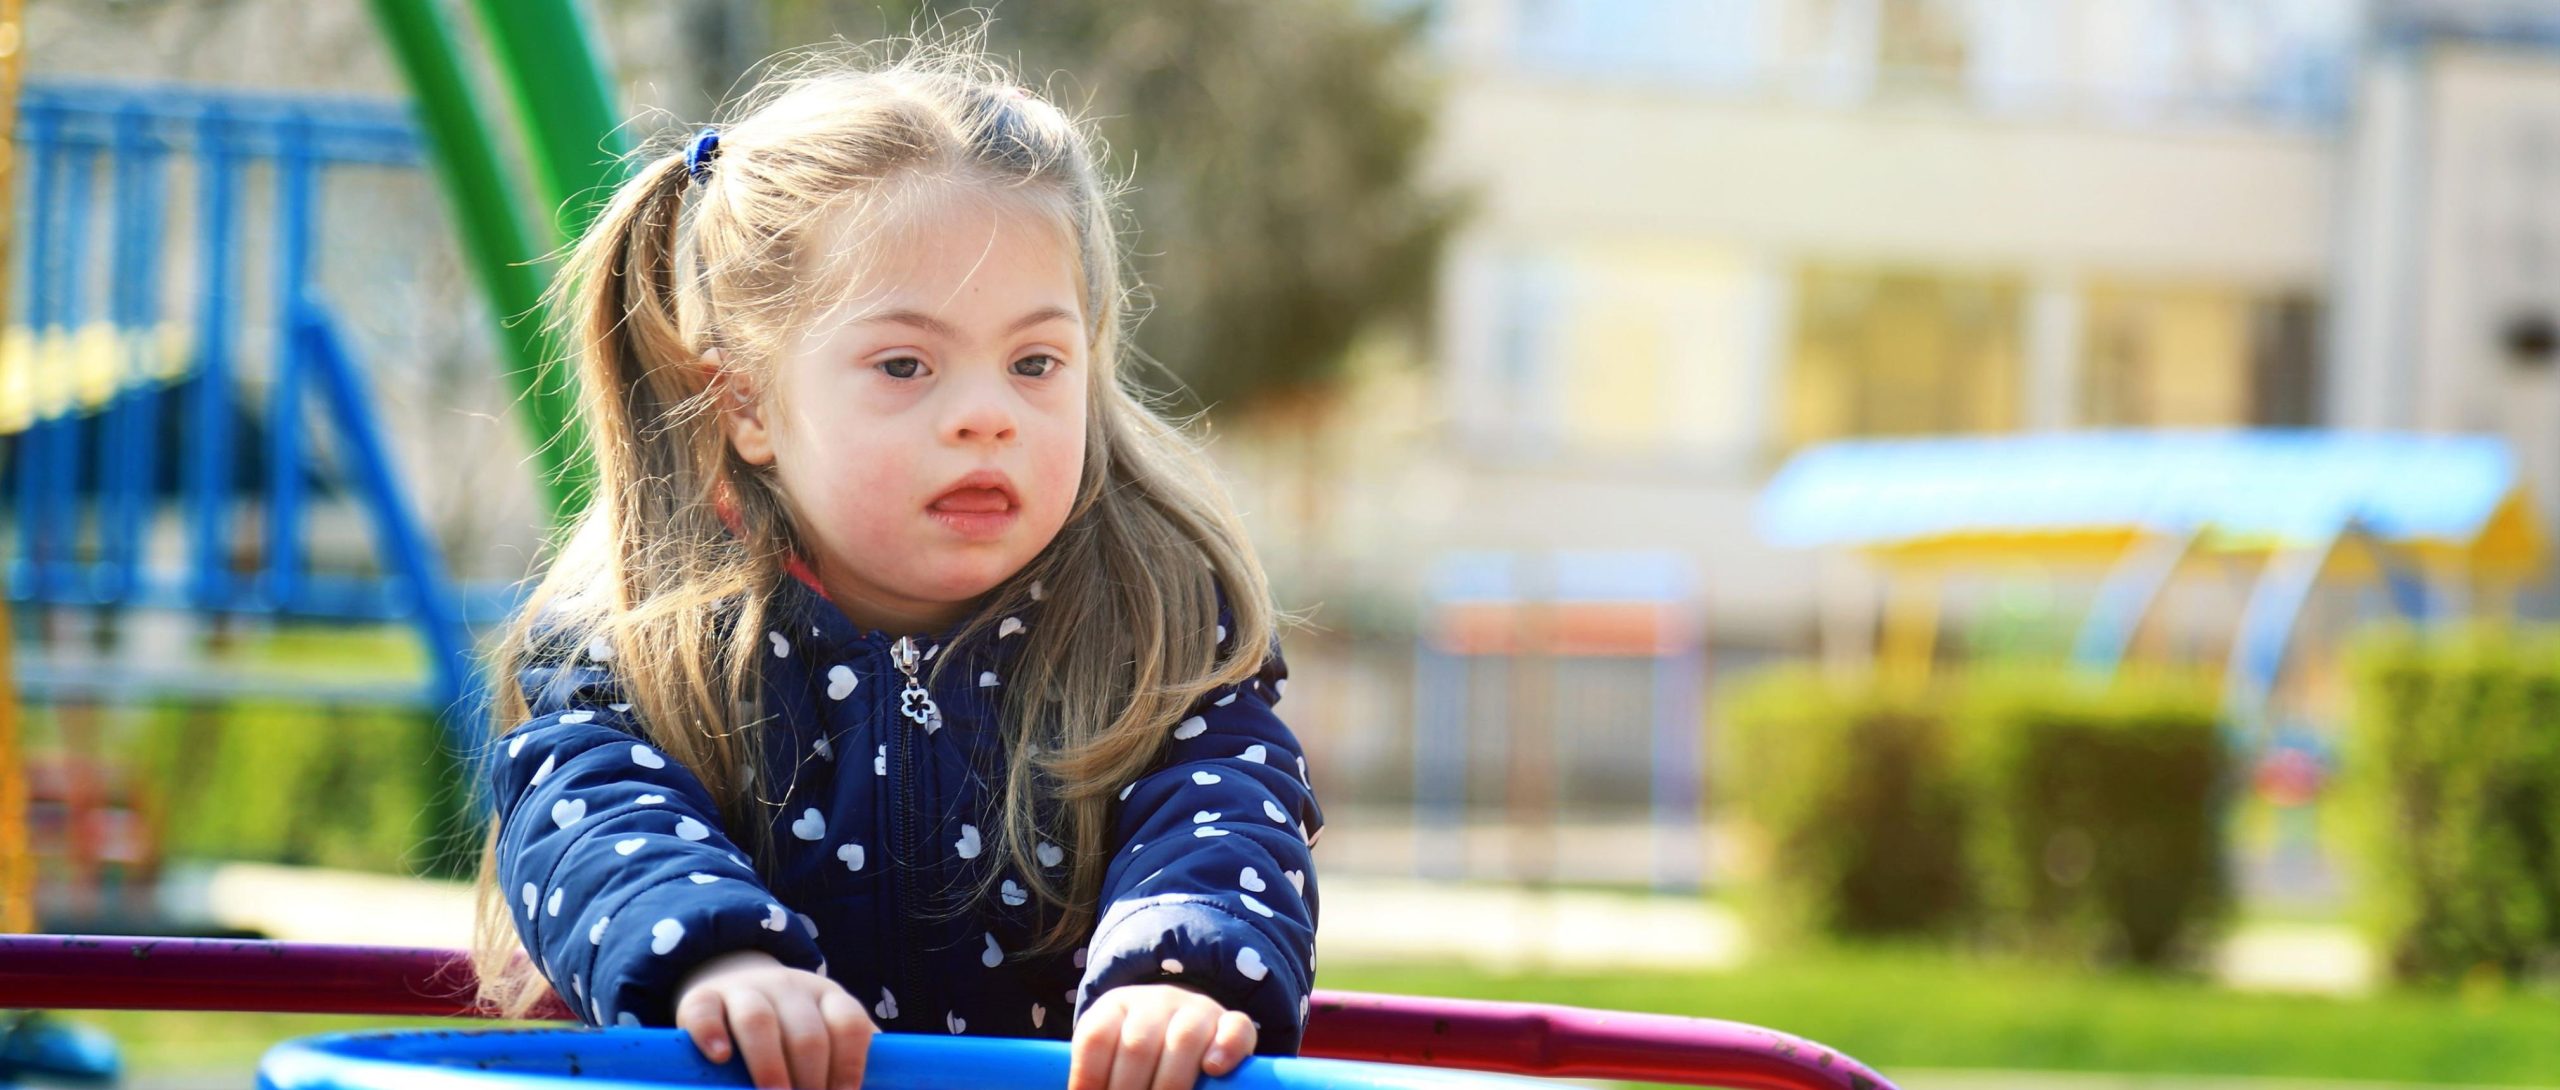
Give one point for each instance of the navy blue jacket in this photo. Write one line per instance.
(623, 879)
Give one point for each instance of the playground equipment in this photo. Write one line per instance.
(1523, 627)
(93, 394)
(2421, 514)
(1510, 1038)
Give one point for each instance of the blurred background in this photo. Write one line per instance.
(2009, 537)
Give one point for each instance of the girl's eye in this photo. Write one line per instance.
(910, 363)
(1049, 364)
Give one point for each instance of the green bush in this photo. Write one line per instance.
(358, 788)
(1854, 788)
(2451, 784)
(2023, 810)
(2097, 816)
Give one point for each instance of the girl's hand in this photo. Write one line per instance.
(1158, 1036)
(795, 1028)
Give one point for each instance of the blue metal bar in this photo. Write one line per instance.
(397, 528)
(284, 404)
(42, 277)
(208, 462)
(142, 188)
(70, 430)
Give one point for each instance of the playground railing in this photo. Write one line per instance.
(79, 972)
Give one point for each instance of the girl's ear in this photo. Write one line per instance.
(741, 414)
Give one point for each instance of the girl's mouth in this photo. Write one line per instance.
(978, 514)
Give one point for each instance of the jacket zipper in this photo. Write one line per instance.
(916, 708)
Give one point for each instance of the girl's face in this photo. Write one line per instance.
(928, 432)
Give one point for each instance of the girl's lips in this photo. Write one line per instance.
(979, 514)
(973, 501)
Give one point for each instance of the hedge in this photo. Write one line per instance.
(2451, 785)
(2026, 811)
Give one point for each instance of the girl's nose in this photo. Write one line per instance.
(981, 410)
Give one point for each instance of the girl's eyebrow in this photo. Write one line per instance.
(940, 328)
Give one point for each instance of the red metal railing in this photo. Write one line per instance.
(79, 972)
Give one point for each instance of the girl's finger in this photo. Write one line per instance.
(1187, 1030)
(1141, 1041)
(1097, 1040)
(851, 1028)
(807, 1047)
(1236, 1039)
(757, 1032)
(699, 1014)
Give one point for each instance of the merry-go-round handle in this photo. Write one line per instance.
(68, 972)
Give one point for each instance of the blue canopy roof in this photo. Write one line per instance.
(2294, 486)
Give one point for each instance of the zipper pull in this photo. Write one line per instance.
(913, 701)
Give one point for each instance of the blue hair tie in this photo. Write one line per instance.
(706, 147)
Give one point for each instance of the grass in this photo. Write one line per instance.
(1915, 1009)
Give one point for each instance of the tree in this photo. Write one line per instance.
(1273, 148)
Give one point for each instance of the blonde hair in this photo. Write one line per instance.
(1123, 643)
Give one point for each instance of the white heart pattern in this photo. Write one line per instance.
(880, 762)
(1251, 880)
(568, 812)
(595, 935)
(1255, 753)
(650, 800)
(967, 845)
(701, 879)
(775, 919)
(1204, 779)
(646, 757)
(1249, 962)
(1039, 1014)
(1273, 811)
(627, 1019)
(1191, 728)
(581, 715)
(841, 682)
(517, 746)
(599, 650)
(1297, 879)
(1035, 590)
(807, 924)
(1008, 626)
(958, 1024)
(1203, 817)
(1171, 966)
(664, 936)
(531, 894)
(852, 856)
(539, 773)
(1223, 701)
(1050, 855)
(1204, 832)
(690, 829)
(887, 1007)
(781, 645)
(825, 748)
(1255, 905)
(987, 679)
(552, 906)
(1126, 788)
(994, 955)
(1014, 894)
(811, 826)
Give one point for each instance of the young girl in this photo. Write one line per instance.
(906, 672)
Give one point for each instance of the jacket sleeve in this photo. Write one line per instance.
(1210, 885)
(613, 861)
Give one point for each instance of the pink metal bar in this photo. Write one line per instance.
(84, 972)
